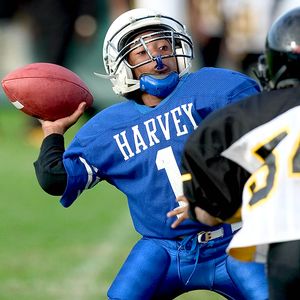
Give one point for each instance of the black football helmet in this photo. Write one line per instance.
(280, 65)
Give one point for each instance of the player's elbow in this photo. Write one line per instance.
(55, 187)
(52, 183)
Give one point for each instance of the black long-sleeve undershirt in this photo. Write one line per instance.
(49, 168)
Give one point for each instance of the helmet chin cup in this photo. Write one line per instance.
(157, 85)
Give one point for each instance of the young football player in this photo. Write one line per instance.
(136, 146)
(245, 160)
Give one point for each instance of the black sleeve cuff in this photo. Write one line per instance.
(49, 168)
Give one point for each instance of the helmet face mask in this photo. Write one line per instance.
(282, 53)
(120, 41)
(143, 40)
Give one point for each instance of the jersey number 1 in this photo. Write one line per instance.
(165, 160)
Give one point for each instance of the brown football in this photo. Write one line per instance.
(46, 91)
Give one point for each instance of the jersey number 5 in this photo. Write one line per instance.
(264, 181)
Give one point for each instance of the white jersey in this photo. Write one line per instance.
(271, 196)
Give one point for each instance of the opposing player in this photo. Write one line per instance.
(251, 150)
(137, 146)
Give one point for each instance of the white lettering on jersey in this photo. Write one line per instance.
(164, 126)
(138, 140)
(176, 120)
(151, 132)
(187, 108)
(153, 127)
(123, 146)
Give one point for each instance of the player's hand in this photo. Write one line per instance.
(205, 218)
(60, 126)
(180, 212)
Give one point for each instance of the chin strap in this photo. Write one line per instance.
(159, 86)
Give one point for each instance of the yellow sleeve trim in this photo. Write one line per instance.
(186, 177)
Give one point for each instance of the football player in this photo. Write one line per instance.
(136, 146)
(244, 161)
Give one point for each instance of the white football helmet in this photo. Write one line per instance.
(117, 45)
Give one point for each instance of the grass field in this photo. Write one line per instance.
(48, 252)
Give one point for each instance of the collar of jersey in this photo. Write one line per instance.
(145, 109)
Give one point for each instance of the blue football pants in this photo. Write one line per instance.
(164, 269)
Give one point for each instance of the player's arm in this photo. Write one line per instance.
(49, 168)
(211, 182)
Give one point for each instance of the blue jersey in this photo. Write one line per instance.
(138, 149)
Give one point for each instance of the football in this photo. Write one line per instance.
(46, 91)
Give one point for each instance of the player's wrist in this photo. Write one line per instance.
(48, 130)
